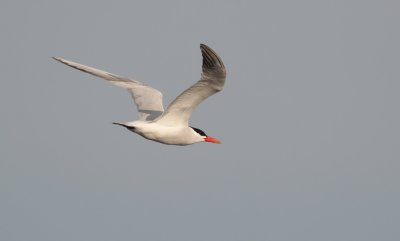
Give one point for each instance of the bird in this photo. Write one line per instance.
(169, 126)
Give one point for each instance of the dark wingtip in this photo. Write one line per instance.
(210, 58)
(59, 60)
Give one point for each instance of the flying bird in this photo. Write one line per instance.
(172, 125)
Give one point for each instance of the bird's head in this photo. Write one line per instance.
(205, 137)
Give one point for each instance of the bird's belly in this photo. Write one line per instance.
(166, 135)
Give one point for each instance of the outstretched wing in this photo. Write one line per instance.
(147, 99)
(212, 81)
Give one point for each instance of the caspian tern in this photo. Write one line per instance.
(172, 125)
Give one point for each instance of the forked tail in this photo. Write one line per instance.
(125, 125)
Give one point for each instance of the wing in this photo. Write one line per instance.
(147, 99)
(212, 81)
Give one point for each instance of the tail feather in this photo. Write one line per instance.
(124, 125)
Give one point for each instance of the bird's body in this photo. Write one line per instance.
(171, 135)
(172, 125)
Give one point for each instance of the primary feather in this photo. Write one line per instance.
(147, 99)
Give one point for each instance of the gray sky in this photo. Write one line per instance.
(309, 121)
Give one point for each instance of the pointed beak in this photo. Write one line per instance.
(212, 140)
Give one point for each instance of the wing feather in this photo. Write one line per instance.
(212, 81)
(147, 99)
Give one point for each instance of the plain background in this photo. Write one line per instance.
(309, 121)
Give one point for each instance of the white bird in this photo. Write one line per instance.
(172, 125)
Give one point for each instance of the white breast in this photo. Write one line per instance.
(172, 135)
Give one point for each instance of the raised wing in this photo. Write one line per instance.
(147, 99)
(212, 81)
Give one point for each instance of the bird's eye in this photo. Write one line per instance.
(200, 132)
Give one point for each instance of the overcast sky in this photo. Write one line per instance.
(309, 121)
